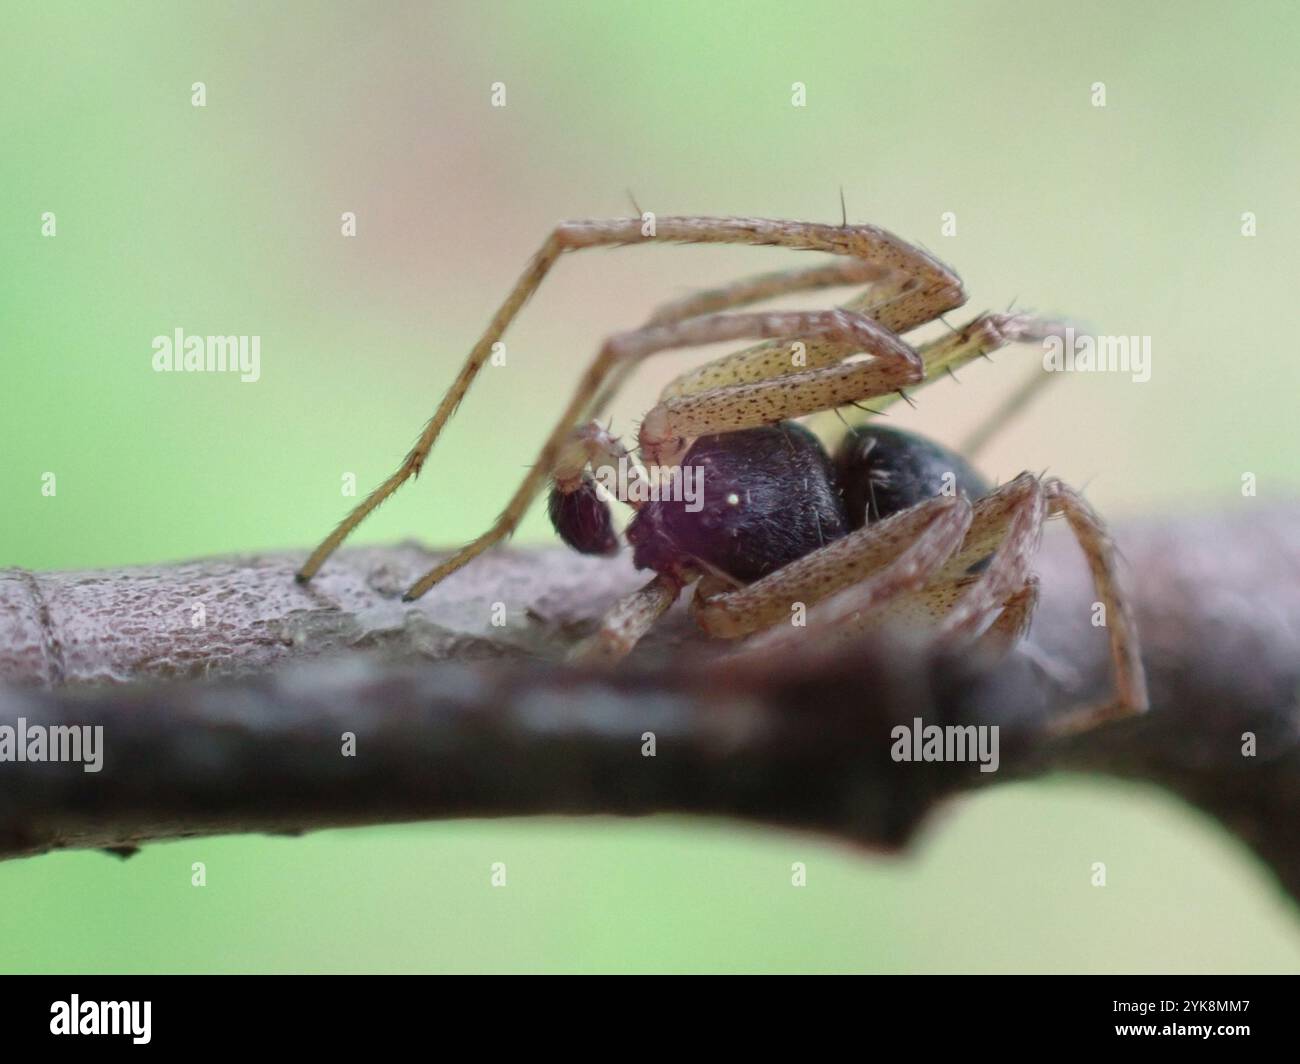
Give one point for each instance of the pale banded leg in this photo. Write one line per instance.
(771, 358)
(1125, 648)
(666, 431)
(1007, 524)
(1006, 529)
(945, 596)
(1012, 624)
(766, 286)
(775, 358)
(978, 338)
(848, 576)
(935, 289)
(627, 621)
(1020, 508)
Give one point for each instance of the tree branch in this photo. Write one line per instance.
(454, 716)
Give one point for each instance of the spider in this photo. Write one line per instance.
(892, 526)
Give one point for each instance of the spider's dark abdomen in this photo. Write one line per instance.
(768, 497)
(882, 471)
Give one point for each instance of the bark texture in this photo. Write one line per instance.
(225, 689)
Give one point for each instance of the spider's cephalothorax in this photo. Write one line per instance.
(768, 496)
(789, 544)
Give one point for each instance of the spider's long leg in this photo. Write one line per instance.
(978, 338)
(774, 357)
(869, 565)
(1005, 524)
(894, 365)
(1004, 532)
(777, 359)
(749, 290)
(934, 286)
(1012, 624)
(757, 387)
(627, 621)
(667, 429)
(1006, 529)
(1125, 648)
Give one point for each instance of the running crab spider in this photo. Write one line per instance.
(894, 525)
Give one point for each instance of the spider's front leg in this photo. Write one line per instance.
(981, 591)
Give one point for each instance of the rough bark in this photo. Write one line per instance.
(236, 724)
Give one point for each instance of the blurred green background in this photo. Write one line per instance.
(225, 219)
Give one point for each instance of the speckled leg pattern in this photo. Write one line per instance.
(843, 579)
(627, 621)
(977, 588)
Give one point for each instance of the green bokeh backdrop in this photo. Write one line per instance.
(225, 220)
